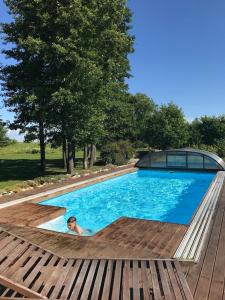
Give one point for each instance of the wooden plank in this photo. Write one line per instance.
(10, 298)
(155, 281)
(66, 270)
(127, 240)
(126, 281)
(19, 274)
(218, 278)
(173, 243)
(13, 268)
(108, 279)
(98, 280)
(80, 280)
(89, 280)
(36, 269)
(146, 280)
(49, 276)
(148, 235)
(6, 241)
(183, 281)
(116, 291)
(6, 291)
(17, 251)
(174, 283)
(3, 235)
(164, 282)
(194, 271)
(45, 267)
(10, 247)
(204, 282)
(72, 275)
(19, 288)
(30, 214)
(135, 286)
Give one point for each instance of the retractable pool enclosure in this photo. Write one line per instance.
(192, 159)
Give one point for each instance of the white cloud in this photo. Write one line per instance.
(14, 134)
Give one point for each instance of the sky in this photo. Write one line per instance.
(179, 54)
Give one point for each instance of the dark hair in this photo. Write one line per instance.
(71, 220)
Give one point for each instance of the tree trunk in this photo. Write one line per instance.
(92, 155)
(74, 154)
(85, 157)
(42, 145)
(64, 153)
(70, 165)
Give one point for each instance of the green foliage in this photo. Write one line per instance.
(210, 148)
(142, 110)
(18, 164)
(217, 148)
(67, 54)
(20, 148)
(117, 153)
(220, 145)
(208, 130)
(35, 151)
(167, 128)
(4, 140)
(208, 133)
(118, 121)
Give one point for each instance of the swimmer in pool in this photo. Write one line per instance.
(72, 225)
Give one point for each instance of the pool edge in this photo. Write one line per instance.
(192, 243)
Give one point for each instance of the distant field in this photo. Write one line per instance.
(17, 163)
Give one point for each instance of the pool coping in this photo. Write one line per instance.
(39, 197)
(192, 243)
(129, 169)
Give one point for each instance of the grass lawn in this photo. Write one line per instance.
(17, 163)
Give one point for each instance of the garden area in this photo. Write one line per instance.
(68, 92)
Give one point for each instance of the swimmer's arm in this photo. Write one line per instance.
(80, 231)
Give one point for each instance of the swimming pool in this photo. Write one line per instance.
(165, 196)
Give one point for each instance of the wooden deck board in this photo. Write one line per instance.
(206, 279)
(29, 214)
(125, 238)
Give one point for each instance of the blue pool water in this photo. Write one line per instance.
(145, 194)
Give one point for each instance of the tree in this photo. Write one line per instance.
(31, 79)
(118, 121)
(195, 134)
(66, 53)
(142, 110)
(210, 129)
(4, 140)
(167, 128)
(98, 63)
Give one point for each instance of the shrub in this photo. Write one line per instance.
(35, 151)
(210, 148)
(140, 153)
(220, 144)
(117, 153)
(218, 148)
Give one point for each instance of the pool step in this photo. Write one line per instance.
(191, 245)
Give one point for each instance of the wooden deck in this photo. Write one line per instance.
(32, 271)
(130, 239)
(159, 239)
(125, 238)
(29, 214)
(207, 278)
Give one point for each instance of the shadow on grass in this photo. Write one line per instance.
(25, 169)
